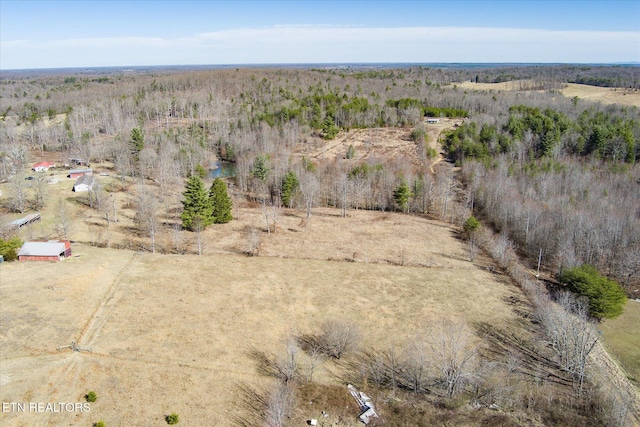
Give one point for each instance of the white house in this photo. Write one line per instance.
(43, 166)
(84, 183)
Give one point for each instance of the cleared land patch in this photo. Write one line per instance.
(606, 95)
(171, 333)
(621, 335)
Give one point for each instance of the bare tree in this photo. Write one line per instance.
(177, 238)
(571, 334)
(269, 408)
(253, 241)
(339, 337)
(416, 367)
(287, 364)
(280, 404)
(453, 353)
(146, 217)
(199, 226)
(64, 220)
(343, 193)
(309, 187)
(39, 192)
(18, 197)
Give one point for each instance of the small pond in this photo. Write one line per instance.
(222, 170)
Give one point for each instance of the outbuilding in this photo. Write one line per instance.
(77, 173)
(52, 250)
(84, 183)
(21, 222)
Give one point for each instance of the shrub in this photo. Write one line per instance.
(339, 337)
(91, 396)
(98, 424)
(172, 419)
(418, 135)
(9, 248)
(606, 297)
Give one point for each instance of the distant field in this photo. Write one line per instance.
(592, 93)
(171, 333)
(623, 338)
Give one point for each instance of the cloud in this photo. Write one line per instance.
(312, 43)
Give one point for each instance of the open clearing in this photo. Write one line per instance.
(621, 335)
(381, 143)
(171, 333)
(606, 95)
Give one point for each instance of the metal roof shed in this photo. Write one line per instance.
(53, 250)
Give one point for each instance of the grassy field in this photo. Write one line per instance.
(622, 337)
(606, 95)
(172, 333)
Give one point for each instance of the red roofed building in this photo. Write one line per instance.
(43, 166)
(77, 173)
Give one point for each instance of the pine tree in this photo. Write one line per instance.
(260, 168)
(402, 195)
(220, 202)
(289, 185)
(137, 142)
(329, 129)
(197, 209)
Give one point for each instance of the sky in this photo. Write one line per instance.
(60, 34)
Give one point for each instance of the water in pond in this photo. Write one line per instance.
(222, 170)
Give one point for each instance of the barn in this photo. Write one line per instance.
(77, 173)
(84, 183)
(52, 250)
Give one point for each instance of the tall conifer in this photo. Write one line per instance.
(197, 209)
(220, 202)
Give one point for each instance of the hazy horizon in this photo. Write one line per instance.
(68, 34)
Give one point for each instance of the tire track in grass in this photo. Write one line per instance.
(99, 318)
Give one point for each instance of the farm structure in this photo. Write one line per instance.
(76, 173)
(83, 183)
(52, 250)
(26, 220)
(43, 166)
(78, 162)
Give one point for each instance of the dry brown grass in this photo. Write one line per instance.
(171, 333)
(605, 95)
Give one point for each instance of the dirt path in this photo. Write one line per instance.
(90, 332)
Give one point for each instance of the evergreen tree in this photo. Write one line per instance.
(402, 195)
(606, 297)
(197, 209)
(220, 202)
(260, 168)
(329, 129)
(289, 185)
(351, 152)
(471, 225)
(137, 142)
